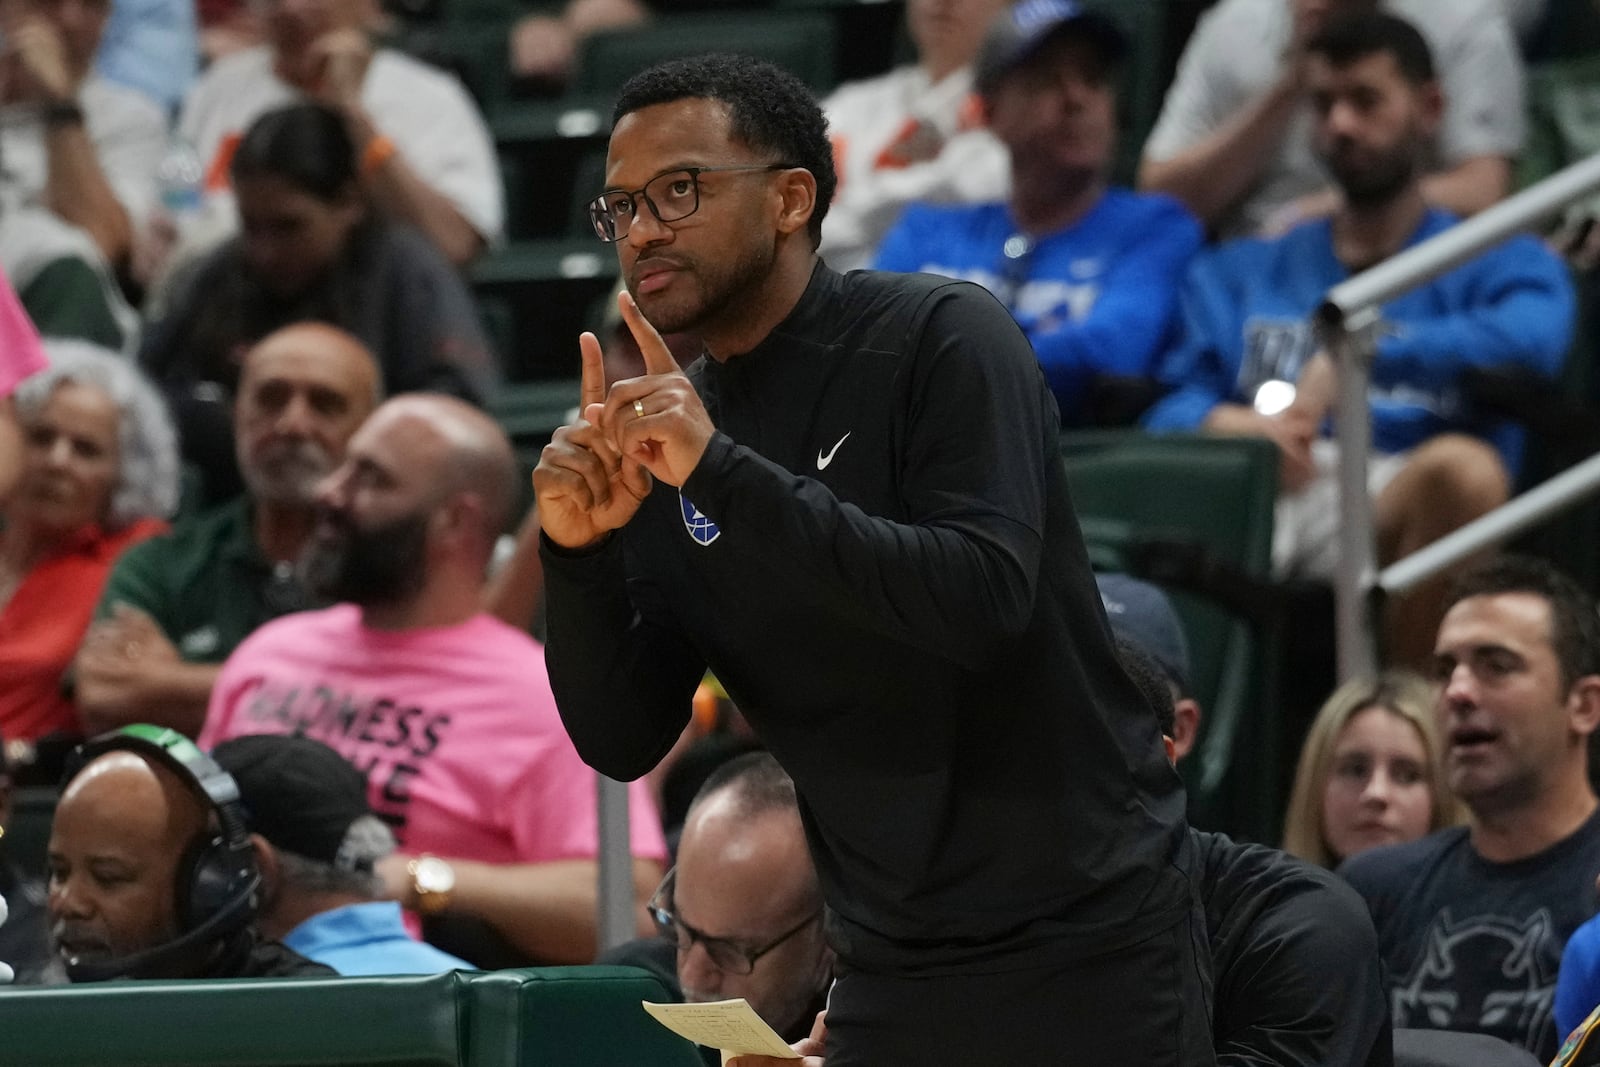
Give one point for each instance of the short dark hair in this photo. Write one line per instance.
(1348, 38)
(769, 109)
(1574, 618)
(307, 145)
(758, 783)
(1151, 681)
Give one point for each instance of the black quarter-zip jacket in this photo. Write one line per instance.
(878, 558)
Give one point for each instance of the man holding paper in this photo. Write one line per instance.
(740, 914)
(853, 510)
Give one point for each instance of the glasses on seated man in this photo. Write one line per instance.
(728, 955)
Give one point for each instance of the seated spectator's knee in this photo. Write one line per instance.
(1459, 473)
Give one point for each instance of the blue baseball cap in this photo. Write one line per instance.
(1142, 615)
(1023, 29)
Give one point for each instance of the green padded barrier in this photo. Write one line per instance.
(1130, 489)
(308, 1022)
(570, 1017)
(561, 1017)
(802, 42)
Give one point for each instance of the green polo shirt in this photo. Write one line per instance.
(206, 584)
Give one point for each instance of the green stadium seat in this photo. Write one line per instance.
(476, 51)
(549, 288)
(1195, 515)
(551, 156)
(870, 34)
(800, 41)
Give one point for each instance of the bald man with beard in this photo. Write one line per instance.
(446, 709)
(119, 846)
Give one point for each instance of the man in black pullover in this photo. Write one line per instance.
(854, 511)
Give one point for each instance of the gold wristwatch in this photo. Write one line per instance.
(432, 882)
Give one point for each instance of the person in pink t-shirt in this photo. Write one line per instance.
(21, 355)
(445, 709)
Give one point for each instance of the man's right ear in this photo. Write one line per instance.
(1583, 704)
(267, 864)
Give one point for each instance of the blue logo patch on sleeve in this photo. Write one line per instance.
(700, 528)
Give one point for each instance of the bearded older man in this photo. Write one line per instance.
(177, 606)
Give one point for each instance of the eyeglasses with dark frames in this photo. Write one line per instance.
(727, 956)
(671, 196)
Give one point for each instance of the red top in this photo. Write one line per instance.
(43, 624)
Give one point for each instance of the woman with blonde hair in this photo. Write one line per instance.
(1369, 771)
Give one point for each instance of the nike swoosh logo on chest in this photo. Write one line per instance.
(825, 458)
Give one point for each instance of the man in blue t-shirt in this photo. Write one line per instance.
(1472, 920)
(1090, 273)
(1248, 345)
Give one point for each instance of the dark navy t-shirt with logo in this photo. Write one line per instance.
(1473, 945)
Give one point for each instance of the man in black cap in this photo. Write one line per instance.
(1141, 615)
(1090, 273)
(316, 842)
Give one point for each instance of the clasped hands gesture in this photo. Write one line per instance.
(595, 472)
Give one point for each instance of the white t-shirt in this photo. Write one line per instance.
(127, 129)
(878, 124)
(427, 113)
(1235, 55)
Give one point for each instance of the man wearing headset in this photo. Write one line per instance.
(152, 873)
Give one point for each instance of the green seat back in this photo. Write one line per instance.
(802, 42)
(570, 1017)
(549, 287)
(1130, 489)
(475, 50)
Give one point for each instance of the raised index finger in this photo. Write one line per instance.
(657, 356)
(592, 387)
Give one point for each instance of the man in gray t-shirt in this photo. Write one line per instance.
(1234, 137)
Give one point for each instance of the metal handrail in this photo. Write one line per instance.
(1347, 322)
(1544, 501)
(615, 918)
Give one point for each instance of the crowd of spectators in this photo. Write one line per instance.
(255, 521)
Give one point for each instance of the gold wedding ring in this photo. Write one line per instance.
(638, 408)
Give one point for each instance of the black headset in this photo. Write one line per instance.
(219, 885)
